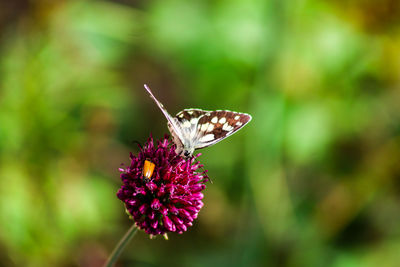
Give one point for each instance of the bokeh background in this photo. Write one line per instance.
(313, 180)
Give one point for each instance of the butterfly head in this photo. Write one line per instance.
(187, 153)
(184, 151)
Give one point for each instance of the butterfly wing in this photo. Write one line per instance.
(192, 115)
(188, 120)
(173, 124)
(214, 126)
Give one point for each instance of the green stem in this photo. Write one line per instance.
(120, 247)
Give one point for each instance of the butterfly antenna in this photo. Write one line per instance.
(205, 171)
(137, 143)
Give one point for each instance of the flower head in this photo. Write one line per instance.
(170, 198)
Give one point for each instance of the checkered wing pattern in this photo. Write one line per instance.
(215, 126)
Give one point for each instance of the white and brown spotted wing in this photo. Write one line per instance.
(195, 128)
(214, 126)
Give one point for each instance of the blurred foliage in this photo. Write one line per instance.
(313, 180)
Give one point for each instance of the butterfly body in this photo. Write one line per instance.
(196, 128)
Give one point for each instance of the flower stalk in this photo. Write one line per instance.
(121, 246)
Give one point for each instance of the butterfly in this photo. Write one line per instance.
(196, 128)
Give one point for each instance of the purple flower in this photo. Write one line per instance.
(170, 199)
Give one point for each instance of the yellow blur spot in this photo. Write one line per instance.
(148, 169)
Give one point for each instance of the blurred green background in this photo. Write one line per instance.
(313, 180)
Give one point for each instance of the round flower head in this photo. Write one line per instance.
(167, 199)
